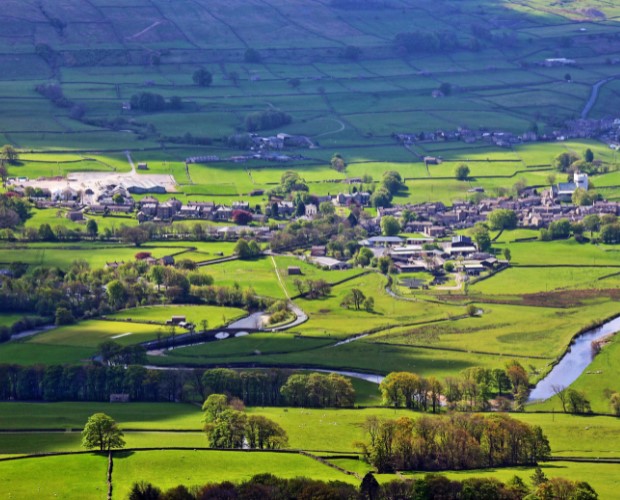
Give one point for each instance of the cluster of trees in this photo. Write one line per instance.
(417, 42)
(470, 391)
(96, 382)
(8, 154)
(461, 172)
(290, 181)
(313, 289)
(461, 441)
(21, 325)
(572, 401)
(570, 162)
(151, 102)
(317, 390)
(280, 387)
(429, 487)
(340, 235)
(112, 353)
(391, 184)
(14, 211)
(230, 296)
(606, 224)
(338, 163)
(357, 300)
(227, 426)
(202, 77)
(266, 120)
(247, 249)
(54, 93)
(82, 292)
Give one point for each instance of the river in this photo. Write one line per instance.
(574, 362)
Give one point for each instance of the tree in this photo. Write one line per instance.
(116, 293)
(461, 172)
(46, 233)
(144, 491)
(507, 254)
(591, 222)
(392, 181)
(381, 198)
(390, 226)
(101, 431)
(480, 235)
(338, 163)
(135, 235)
(563, 161)
(264, 434)
(245, 250)
(351, 53)
(241, 217)
(252, 56)
(588, 155)
(364, 256)
(326, 208)
(501, 219)
(614, 400)
(9, 153)
(560, 229)
(354, 298)
(92, 228)
(202, 77)
(576, 402)
(63, 316)
(445, 88)
(583, 198)
(369, 304)
(294, 82)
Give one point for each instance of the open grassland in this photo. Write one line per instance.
(566, 253)
(255, 345)
(56, 218)
(323, 430)
(600, 379)
(518, 280)
(169, 468)
(142, 416)
(604, 478)
(75, 343)
(53, 256)
(76, 476)
(507, 330)
(360, 356)
(329, 318)
(309, 272)
(216, 316)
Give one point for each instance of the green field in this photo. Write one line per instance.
(598, 382)
(75, 343)
(216, 316)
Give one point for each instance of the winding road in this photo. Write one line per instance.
(594, 96)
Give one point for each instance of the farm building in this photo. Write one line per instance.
(143, 166)
(294, 271)
(75, 215)
(330, 264)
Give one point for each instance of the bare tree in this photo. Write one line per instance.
(560, 392)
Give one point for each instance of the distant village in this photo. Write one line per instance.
(606, 130)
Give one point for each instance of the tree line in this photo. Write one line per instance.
(470, 391)
(281, 387)
(97, 381)
(460, 441)
(82, 292)
(428, 487)
(228, 427)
